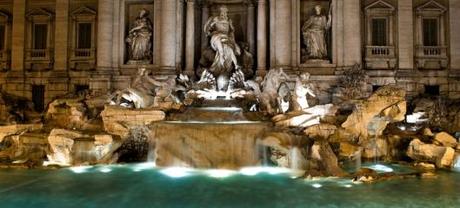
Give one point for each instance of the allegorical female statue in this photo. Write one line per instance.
(139, 38)
(314, 34)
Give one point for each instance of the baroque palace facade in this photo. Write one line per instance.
(49, 48)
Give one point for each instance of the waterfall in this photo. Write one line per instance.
(296, 159)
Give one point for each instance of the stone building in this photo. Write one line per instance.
(52, 47)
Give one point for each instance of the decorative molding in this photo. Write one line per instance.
(431, 7)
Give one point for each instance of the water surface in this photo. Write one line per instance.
(140, 185)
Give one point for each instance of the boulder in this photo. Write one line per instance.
(66, 113)
(118, 120)
(307, 117)
(349, 150)
(443, 157)
(386, 105)
(427, 132)
(17, 129)
(325, 159)
(445, 139)
(76, 148)
(321, 131)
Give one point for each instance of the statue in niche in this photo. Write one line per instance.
(139, 39)
(314, 32)
(222, 41)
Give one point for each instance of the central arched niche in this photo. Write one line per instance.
(242, 14)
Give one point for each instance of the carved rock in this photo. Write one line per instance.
(443, 157)
(117, 120)
(76, 148)
(445, 139)
(388, 102)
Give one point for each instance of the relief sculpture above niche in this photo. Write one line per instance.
(139, 35)
(316, 32)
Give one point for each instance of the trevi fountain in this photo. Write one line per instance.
(225, 132)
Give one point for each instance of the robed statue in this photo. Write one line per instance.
(314, 32)
(220, 30)
(139, 39)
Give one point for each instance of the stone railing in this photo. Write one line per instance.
(83, 59)
(83, 52)
(39, 59)
(380, 57)
(39, 54)
(432, 51)
(431, 57)
(379, 51)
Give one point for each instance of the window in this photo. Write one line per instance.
(84, 35)
(2, 37)
(40, 35)
(430, 32)
(379, 32)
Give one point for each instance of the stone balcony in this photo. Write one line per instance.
(5, 58)
(431, 57)
(39, 59)
(83, 59)
(380, 57)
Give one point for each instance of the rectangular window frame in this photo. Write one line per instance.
(386, 34)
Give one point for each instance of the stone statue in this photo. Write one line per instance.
(270, 98)
(302, 89)
(314, 34)
(141, 93)
(139, 39)
(221, 32)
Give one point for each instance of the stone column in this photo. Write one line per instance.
(204, 19)
(250, 36)
(454, 20)
(18, 33)
(61, 35)
(405, 37)
(352, 33)
(261, 37)
(104, 34)
(283, 33)
(168, 35)
(190, 39)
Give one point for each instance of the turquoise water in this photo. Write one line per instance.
(140, 185)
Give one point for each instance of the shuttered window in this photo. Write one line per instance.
(379, 32)
(40, 36)
(430, 32)
(84, 35)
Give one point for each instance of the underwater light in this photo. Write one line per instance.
(105, 170)
(176, 172)
(317, 185)
(347, 185)
(381, 168)
(251, 171)
(144, 166)
(219, 173)
(80, 169)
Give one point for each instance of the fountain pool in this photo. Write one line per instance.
(140, 185)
